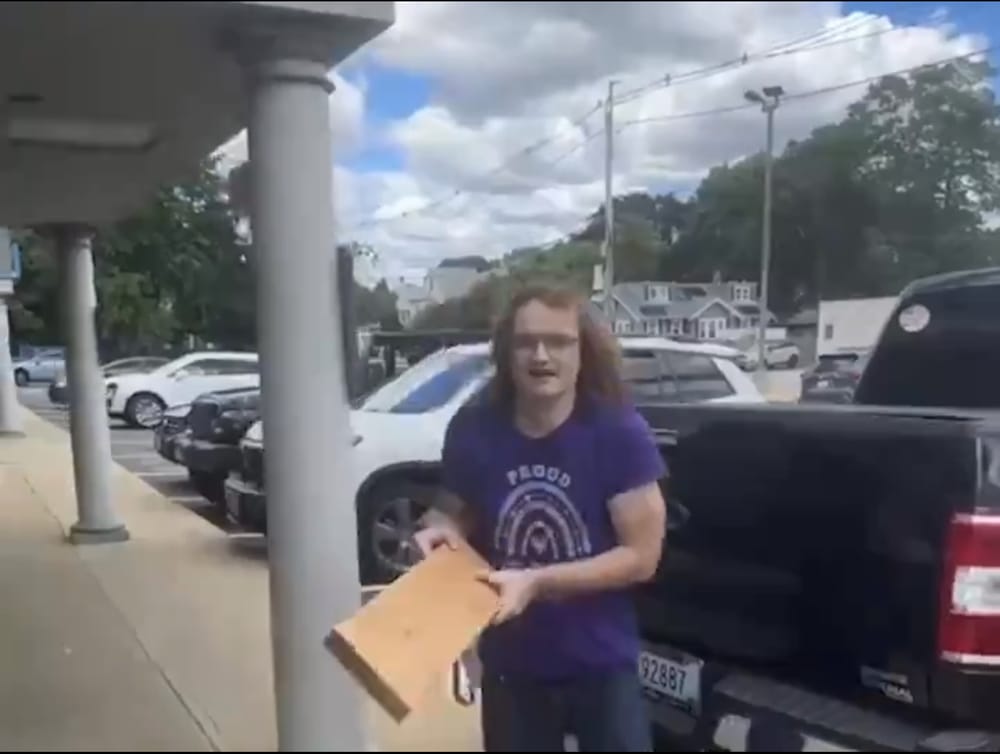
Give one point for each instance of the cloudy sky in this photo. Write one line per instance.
(474, 128)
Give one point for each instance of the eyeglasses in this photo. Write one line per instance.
(553, 342)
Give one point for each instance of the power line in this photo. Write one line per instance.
(900, 72)
(780, 50)
(845, 24)
(699, 73)
(504, 164)
(631, 95)
(724, 110)
(806, 94)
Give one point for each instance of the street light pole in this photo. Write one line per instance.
(769, 102)
(609, 204)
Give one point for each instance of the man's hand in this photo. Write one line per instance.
(517, 590)
(437, 535)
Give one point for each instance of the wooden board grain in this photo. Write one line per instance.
(398, 645)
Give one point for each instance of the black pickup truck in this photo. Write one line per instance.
(205, 437)
(831, 579)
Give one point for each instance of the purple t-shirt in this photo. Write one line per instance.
(542, 501)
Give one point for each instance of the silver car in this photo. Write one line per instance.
(41, 366)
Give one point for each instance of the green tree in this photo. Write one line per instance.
(34, 311)
(376, 306)
(176, 269)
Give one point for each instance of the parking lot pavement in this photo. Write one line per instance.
(132, 449)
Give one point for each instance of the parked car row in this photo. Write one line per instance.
(399, 430)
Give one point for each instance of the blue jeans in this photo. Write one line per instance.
(604, 712)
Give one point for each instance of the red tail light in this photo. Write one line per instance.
(969, 621)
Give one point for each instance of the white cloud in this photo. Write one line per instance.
(507, 75)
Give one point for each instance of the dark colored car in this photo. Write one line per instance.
(246, 500)
(834, 377)
(208, 446)
(838, 586)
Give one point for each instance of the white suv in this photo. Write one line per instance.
(141, 397)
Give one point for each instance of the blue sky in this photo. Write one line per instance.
(440, 103)
(394, 93)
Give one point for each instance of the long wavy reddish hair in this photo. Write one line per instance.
(600, 358)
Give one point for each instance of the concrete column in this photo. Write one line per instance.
(10, 417)
(312, 541)
(88, 418)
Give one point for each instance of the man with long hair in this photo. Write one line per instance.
(554, 480)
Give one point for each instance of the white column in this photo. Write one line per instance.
(312, 545)
(88, 418)
(10, 417)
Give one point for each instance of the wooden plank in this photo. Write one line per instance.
(402, 642)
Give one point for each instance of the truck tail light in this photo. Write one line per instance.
(969, 620)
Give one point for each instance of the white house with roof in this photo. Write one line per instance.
(439, 285)
(706, 311)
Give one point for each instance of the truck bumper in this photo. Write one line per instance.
(206, 457)
(246, 505)
(741, 712)
(166, 445)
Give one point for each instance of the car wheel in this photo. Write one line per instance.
(388, 517)
(21, 377)
(144, 410)
(209, 486)
(793, 361)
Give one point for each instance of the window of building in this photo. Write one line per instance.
(828, 332)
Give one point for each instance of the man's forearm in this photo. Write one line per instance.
(618, 568)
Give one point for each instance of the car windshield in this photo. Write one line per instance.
(429, 384)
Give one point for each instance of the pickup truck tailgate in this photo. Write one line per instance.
(808, 542)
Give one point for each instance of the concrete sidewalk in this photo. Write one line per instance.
(157, 643)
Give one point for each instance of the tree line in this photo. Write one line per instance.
(905, 185)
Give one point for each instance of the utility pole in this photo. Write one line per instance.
(608, 246)
(769, 102)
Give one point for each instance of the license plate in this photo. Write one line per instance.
(823, 383)
(677, 680)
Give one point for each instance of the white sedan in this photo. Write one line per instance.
(399, 432)
(141, 397)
